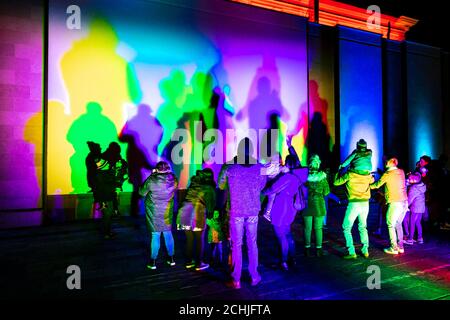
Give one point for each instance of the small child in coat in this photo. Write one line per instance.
(215, 236)
(360, 160)
(416, 203)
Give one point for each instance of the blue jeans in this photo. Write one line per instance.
(355, 210)
(168, 239)
(286, 241)
(394, 220)
(416, 222)
(237, 226)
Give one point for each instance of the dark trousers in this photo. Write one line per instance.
(194, 252)
(286, 242)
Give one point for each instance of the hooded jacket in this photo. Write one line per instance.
(159, 190)
(318, 189)
(416, 197)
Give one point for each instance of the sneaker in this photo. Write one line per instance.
(409, 242)
(202, 266)
(190, 265)
(267, 216)
(319, 252)
(365, 254)
(391, 250)
(400, 250)
(350, 256)
(256, 281)
(171, 261)
(284, 266)
(151, 265)
(233, 284)
(420, 241)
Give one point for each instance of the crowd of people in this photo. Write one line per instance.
(290, 189)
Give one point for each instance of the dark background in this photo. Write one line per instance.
(432, 15)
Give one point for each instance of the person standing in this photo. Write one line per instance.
(159, 190)
(244, 182)
(358, 192)
(318, 189)
(416, 203)
(199, 203)
(283, 214)
(397, 201)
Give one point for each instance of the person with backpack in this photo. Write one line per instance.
(285, 188)
(315, 211)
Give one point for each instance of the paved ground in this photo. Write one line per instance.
(34, 262)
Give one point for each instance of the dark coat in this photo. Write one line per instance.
(159, 190)
(285, 187)
(318, 189)
(200, 200)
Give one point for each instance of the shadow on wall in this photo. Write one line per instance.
(91, 126)
(142, 134)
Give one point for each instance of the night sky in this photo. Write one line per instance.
(432, 16)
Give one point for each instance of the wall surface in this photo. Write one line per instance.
(424, 91)
(21, 124)
(360, 89)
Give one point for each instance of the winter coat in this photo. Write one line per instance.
(395, 185)
(318, 189)
(159, 190)
(416, 197)
(103, 188)
(357, 185)
(200, 200)
(285, 187)
(215, 232)
(244, 184)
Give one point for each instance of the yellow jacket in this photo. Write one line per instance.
(358, 185)
(395, 185)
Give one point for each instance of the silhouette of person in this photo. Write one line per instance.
(91, 126)
(142, 133)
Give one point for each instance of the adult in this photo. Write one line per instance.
(244, 182)
(199, 203)
(159, 190)
(358, 193)
(397, 201)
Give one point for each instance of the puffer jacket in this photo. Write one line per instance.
(318, 189)
(200, 200)
(159, 190)
(416, 197)
(359, 160)
(285, 187)
(357, 185)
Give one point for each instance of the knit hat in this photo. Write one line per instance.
(314, 162)
(361, 144)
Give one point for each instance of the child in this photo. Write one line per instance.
(360, 160)
(216, 236)
(416, 203)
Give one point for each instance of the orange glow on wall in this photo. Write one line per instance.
(332, 13)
